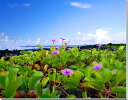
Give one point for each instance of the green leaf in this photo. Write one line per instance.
(121, 95)
(54, 94)
(46, 91)
(106, 75)
(98, 75)
(120, 76)
(83, 57)
(27, 68)
(40, 47)
(44, 81)
(45, 67)
(119, 64)
(25, 81)
(23, 52)
(98, 84)
(12, 75)
(71, 96)
(72, 67)
(53, 48)
(119, 89)
(88, 72)
(3, 79)
(84, 94)
(33, 79)
(45, 96)
(101, 95)
(80, 64)
(52, 77)
(29, 52)
(38, 87)
(73, 81)
(10, 90)
(121, 48)
(87, 84)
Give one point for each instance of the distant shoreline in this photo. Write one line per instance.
(29, 47)
(16, 52)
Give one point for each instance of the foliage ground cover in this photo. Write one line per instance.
(61, 73)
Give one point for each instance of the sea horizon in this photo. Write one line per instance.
(27, 47)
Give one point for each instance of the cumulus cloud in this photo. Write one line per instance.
(80, 4)
(101, 36)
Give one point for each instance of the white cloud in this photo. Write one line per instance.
(7, 43)
(38, 41)
(2, 34)
(12, 5)
(119, 37)
(29, 41)
(4, 38)
(26, 5)
(46, 42)
(80, 5)
(79, 33)
(101, 36)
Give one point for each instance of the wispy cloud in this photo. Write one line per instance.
(13, 5)
(80, 4)
(26, 5)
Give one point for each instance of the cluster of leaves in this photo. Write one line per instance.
(38, 74)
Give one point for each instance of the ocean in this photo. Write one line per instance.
(31, 47)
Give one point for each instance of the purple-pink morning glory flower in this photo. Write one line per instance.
(65, 43)
(53, 40)
(62, 39)
(55, 52)
(97, 67)
(99, 45)
(59, 47)
(67, 72)
(108, 54)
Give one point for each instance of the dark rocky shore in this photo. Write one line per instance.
(17, 52)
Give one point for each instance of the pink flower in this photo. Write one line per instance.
(67, 72)
(53, 40)
(65, 43)
(55, 52)
(62, 39)
(97, 67)
(59, 47)
(99, 45)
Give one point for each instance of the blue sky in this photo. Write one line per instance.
(32, 22)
